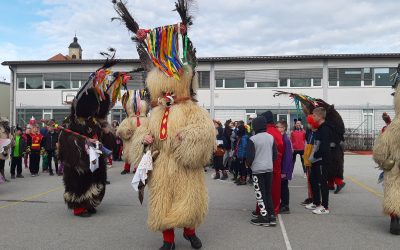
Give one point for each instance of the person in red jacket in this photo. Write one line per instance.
(276, 176)
(298, 139)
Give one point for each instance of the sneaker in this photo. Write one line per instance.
(167, 246)
(12, 176)
(33, 175)
(305, 176)
(224, 176)
(216, 176)
(254, 214)
(51, 174)
(272, 220)
(339, 187)
(195, 242)
(311, 206)
(20, 176)
(284, 210)
(261, 221)
(124, 172)
(306, 202)
(320, 210)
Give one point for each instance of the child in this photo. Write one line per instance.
(321, 164)
(313, 126)
(240, 154)
(261, 152)
(17, 153)
(287, 168)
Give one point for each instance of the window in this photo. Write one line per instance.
(219, 83)
(382, 76)
(251, 84)
(300, 83)
(62, 84)
(75, 84)
(267, 84)
(234, 83)
(24, 115)
(59, 115)
(204, 79)
(47, 84)
(317, 82)
(283, 82)
(350, 77)
(34, 82)
(118, 115)
(21, 82)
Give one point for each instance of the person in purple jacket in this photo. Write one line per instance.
(287, 168)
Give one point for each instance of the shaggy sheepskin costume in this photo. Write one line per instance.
(387, 156)
(84, 189)
(183, 133)
(132, 134)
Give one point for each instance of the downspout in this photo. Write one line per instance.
(12, 97)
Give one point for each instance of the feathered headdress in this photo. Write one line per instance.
(168, 47)
(308, 104)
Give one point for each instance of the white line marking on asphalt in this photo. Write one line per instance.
(284, 233)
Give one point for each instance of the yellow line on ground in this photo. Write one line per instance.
(364, 186)
(32, 197)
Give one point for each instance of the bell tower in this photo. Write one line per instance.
(75, 50)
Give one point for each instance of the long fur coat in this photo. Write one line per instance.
(387, 147)
(177, 191)
(83, 189)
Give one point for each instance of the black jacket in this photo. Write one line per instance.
(325, 135)
(50, 140)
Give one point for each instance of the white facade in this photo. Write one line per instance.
(229, 89)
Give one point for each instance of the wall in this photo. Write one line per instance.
(5, 101)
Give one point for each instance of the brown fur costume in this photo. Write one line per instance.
(387, 148)
(83, 189)
(178, 194)
(132, 135)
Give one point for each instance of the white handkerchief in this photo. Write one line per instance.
(93, 158)
(145, 165)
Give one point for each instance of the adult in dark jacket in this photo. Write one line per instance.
(219, 153)
(18, 147)
(50, 145)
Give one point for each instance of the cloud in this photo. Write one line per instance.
(225, 27)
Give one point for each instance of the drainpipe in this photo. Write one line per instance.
(12, 98)
(212, 89)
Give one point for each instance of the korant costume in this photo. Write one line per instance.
(183, 133)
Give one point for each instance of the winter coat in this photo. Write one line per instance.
(272, 130)
(287, 160)
(241, 147)
(227, 135)
(322, 150)
(298, 138)
(50, 141)
(22, 146)
(309, 149)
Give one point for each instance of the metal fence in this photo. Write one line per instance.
(360, 140)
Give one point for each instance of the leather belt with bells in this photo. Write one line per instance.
(168, 100)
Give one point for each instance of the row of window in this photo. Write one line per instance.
(228, 79)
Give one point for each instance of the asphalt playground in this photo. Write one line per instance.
(33, 216)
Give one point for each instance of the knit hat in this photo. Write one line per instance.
(269, 117)
(259, 124)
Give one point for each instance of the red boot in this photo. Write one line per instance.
(169, 240)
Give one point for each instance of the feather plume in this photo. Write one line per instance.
(126, 17)
(182, 7)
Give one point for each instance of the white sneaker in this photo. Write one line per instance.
(305, 176)
(320, 210)
(311, 206)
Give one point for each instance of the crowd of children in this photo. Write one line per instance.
(263, 153)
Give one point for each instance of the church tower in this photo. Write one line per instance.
(75, 50)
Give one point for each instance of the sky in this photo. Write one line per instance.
(39, 29)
